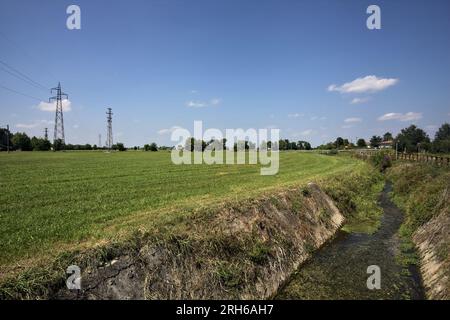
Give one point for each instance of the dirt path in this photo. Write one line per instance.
(339, 270)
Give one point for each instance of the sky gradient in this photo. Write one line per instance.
(310, 68)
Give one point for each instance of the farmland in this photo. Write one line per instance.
(50, 202)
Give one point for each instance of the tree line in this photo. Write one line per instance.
(410, 139)
(193, 144)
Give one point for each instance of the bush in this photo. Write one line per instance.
(382, 160)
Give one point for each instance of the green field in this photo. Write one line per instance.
(51, 202)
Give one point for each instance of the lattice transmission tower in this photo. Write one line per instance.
(109, 134)
(59, 119)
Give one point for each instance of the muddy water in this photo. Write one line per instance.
(339, 270)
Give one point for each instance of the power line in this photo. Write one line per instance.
(26, 53)
(23, 76)
(18, 77)
(20, 93)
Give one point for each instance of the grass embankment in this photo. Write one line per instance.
(421, 191)
(68, 203)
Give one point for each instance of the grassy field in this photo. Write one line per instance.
(52, 202)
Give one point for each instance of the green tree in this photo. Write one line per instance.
(58, 145)
(375, 141)
(339, 143)
(443, 133)
(39, 144)
(5, 139)
(410, 138)
(361, 143)
(153, 147)
(441, 141)
(388, 136)
(189, 145)
(119, 146)
(21, 141)
(283, 144)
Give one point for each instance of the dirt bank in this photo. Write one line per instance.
(423, 192)
(245, 252)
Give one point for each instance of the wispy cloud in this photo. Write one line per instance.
(365, 84)
(313, 118)
(359, 100)
(51, 106)
(352, 120)
(409, 116)
(215, 101)
(347, 126)
(195, 104)
(307, 132)
(34, 124)
(203, 104)
(295, 115)
(168, 130)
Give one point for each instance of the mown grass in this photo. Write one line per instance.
(57, 202)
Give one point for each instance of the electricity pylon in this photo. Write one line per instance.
(59, 119)
(109, 134)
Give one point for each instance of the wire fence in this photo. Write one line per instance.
(413, 157)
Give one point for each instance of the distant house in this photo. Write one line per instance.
(386, 144)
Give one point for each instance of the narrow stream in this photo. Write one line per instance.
(339, 269)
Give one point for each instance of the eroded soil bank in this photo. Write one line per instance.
(244, 252)
(339, 270)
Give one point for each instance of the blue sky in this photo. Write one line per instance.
(231, 64)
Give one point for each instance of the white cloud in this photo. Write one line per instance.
(409, 116)
(27, 125)
(76, 126)
(195, 104)
(352, 120)
(203, 104)
(34, 124)
(168, 130)
(313, 118)
(51, 106)
(366, 84)
(348, 126)
(215, 101)
(295, 115)
(307, 132)
(359, 100)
